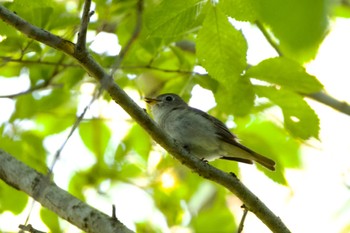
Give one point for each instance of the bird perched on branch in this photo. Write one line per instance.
(202, 134)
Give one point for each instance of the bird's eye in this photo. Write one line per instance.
(169, 98)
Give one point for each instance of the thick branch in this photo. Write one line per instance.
(36, 33)
(203, 169)
(38, 186)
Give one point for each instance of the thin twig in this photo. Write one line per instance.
(329, 101)
(114, 215)
(29, 228)
(23, 51)
(135, 34)
(241, 223)
(35, 62)
(74, 127)
(81, 43)
(269, 38)
(42, 85)
(30, 211)
(148, 67)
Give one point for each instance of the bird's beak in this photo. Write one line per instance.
(151, 101)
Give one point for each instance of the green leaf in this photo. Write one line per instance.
(272, 141)
(26, 146)
(47, 124)
(39, 73)
(7, 30)
(12, 69)
(175, 17)
(12, 199)
(55, 102)
(95, 135)
(11, 46)
(137, 140)
(36, 12)
(50, 219)
(30, 5)
(235, 97)
(77, 184)
(222, 52)
(299, 118)
(70, 77)
(242, 10)
(207, 82)
(344, 12)
(299, 25)
(214, 214)
(286, 73)
(221, 48)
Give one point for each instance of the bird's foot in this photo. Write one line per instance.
(204, 160)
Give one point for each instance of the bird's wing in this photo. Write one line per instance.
(225, 135)
(223, 132)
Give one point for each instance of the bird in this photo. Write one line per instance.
(200, 133)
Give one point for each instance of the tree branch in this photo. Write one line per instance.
(321, 96)
(36, 33)
(43, 190)
(43, 85)
(29, 228)
(205, 170)
(269, 38)
(81, 43)
(328, 100)
(74, 127)
(35, 62)
(149, 67)
(241, 223)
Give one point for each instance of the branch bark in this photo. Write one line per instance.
(328, 100)
(43, 190)
(81, 42)
(205, 170)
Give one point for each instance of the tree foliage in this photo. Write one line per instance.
(163, 44)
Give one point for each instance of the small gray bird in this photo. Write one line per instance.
(202, 134)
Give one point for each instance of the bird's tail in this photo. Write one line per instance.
(240, 153)
(266, 162)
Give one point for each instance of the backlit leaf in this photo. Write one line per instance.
(95, 135)
(175, 17)
(221, 48)
(287, 73)
(299, 118)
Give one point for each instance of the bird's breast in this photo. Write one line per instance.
(193, 131)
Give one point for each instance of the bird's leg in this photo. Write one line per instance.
(204, 160)
(187, 148)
